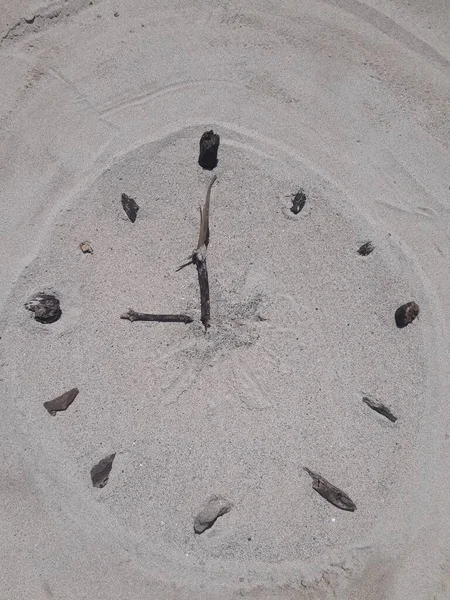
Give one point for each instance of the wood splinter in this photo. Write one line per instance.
(132, 315)
(198, 258)
(330, 492)
(379, 408)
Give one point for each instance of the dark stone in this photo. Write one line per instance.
(405, 314)
(45, 307)
(130, 207)
(379, 408)
(298, 202)
(215, 507)
(209, 146)
(330, 492)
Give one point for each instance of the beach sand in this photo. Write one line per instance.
(346, 100)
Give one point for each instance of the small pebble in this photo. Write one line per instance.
(405, 314)
(215, 507)
(86, 248)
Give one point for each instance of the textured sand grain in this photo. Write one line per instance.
(348, 101)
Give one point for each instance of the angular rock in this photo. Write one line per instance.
(100, 472)
(61, 402)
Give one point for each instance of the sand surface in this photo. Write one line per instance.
(348, 100)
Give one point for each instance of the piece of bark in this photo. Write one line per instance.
(61, 402)
(86, 248)
(130, 207)
(298, 202)
(46, 308)
(366, 249)
(132, 315)
(330, 492)
(209, 146)
(379, 408)
(100, 472)
(215, 507)
(405, 314)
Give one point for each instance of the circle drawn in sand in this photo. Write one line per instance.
(298, 320)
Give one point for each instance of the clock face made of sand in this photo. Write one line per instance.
(301, 327)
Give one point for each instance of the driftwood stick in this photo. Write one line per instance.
(198, 258)
(209, 146)
(330, 492)
(203, 237)
(132, 315)
(379, 408)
